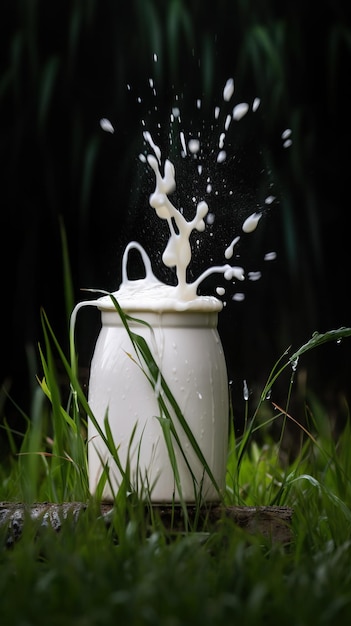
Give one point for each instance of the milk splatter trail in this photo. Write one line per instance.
(150, 292)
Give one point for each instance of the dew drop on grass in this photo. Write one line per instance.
(294, 364)
(245, 390)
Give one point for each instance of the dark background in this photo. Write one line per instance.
(65, 65)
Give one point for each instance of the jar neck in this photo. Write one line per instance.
(183, 319)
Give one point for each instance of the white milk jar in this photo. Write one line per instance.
(186, 347)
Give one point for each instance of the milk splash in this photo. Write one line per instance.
(149, 293)
(152, 294)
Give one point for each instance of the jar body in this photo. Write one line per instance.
(187, 349)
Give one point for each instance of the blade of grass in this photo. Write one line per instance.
(141, 347)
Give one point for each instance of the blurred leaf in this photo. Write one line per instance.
(88, 173)
(150, 32)
(74, 33)
(178, 24)
(67, 274)
(46, 89)
(207, 64)
(339, 43)
(16, 62)
(263, 50)
(30, 10)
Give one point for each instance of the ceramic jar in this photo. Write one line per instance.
(188, 352)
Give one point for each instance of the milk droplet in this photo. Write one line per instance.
(175, 112)
(194, 145)
(177, 253)
(228, 119)
(286, 133)
(221, 140)
(256, 104)
(216, 113)
(222, 155)
(240, 110)
(220, 291)
(270, 256)
(269, 199)
(182, 140)
(254, 275)
(238, 297)
(106, 125)
(234, 272)
(229, 250)
(228, 89)
(287, 143)
(251, 222)
(155, 148)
